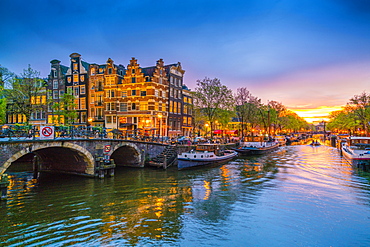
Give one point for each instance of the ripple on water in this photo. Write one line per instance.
(296, 196)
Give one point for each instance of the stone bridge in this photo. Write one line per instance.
(77, 156)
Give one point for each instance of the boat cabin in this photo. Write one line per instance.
(208, 147)
(359, 142)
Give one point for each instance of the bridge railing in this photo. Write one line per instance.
(29, 132)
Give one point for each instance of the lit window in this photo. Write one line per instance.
(83, 103)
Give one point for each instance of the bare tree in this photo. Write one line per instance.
(5, 77)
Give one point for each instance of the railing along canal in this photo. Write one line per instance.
(28, 132)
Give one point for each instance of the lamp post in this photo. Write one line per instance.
(160, 124)
(89, 121)
(206, 127)
(117, 109)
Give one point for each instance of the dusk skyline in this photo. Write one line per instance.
(304, 54)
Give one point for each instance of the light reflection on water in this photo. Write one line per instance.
(296, 196)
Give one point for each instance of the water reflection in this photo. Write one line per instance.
(294, 194)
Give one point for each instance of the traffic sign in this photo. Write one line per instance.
(47, 132)
(106, 148)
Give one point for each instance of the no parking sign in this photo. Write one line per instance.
(47, 132)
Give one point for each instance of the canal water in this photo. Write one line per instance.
(296, 196)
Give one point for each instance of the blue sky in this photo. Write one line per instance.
(302, 53)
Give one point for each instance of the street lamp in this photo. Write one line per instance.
(160, 123)
(89, 121)
(206, 125)
(117, 109)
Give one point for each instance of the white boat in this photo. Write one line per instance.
(357, 150)
(204, 154)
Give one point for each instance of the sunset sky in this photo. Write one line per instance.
(307, 54)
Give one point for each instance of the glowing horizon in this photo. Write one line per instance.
(320, 113)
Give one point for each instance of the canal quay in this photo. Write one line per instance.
(300, 195)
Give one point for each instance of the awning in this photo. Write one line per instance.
(231, 132)
(217, 132)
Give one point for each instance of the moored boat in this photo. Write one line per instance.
(281, 140)
(357, 150)
(247, 148)
(204, 154)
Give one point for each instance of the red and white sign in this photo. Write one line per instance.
(106, 148)
(47, 132)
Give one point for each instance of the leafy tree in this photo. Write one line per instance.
(26, 93)
(246, 108)
(290, 120)
(277, 111)
(342, 120)
(65, 108)
(210, 96)
(359, 107)
(3, 111)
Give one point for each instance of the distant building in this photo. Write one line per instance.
(144, 98)
(175, 97)
(151, 100)
(77, 82)
(55, 88)
(187, 112)
(105, 85)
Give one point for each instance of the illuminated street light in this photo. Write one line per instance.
(160, 123)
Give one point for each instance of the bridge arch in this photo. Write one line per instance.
(127, 154)
(58, 156)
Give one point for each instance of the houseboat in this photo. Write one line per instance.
(256, 145)
(205, 154)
